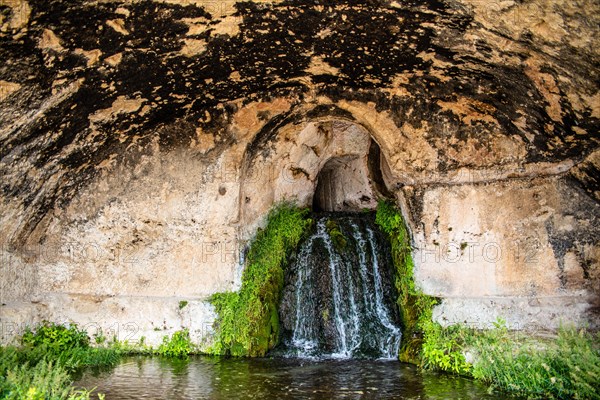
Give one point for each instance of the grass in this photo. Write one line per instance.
(49, 355)
(42, 367)
(248, 320)
(567, 367)
(178, 345)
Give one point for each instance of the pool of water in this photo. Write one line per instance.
(222, 378)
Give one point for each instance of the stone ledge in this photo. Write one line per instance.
(534, 313)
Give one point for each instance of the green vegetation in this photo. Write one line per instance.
(42, 367)
(182, 304)
(99, 337)
(415, 307)
(179, 345)
(338, 238)
(140, 347)
(57, 338)
(442, 349)
(567, 367)
(325, 315)
(248, 320)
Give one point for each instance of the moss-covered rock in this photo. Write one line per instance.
(415, 307)
(248, 320)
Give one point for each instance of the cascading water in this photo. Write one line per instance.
(338, 299)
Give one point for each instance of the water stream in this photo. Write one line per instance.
(338, 301)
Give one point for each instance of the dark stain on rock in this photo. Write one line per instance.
(585, 230)
(368, 43)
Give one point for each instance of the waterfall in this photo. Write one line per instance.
(338, 300)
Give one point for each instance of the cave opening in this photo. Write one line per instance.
(349, 183)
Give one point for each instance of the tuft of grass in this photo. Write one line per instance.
(133, 348)
(99, 337)
(182, 304)
(415, 307)
(248, 320)
(565, 368)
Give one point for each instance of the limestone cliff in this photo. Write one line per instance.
(141, 143)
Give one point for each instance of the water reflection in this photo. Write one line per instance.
(220, 378)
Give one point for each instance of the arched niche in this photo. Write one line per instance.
(329, 165)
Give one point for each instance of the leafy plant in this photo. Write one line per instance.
(178, 345)
(56, 337)
(182, 304)
(248, 320)
(45, 380)
(42, 367)
(443, 349)
(99, 337)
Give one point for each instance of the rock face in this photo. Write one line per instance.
(142, 144)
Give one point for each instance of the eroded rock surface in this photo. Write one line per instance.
(142, 143)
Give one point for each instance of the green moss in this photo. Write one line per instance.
(325, 315)
(248, 320)
(415, 307)
(337, 237)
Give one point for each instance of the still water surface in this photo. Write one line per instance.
(221, 378)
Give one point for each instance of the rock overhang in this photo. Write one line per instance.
(454, 92)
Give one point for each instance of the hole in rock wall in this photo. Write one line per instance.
(328, 165)
(340, 186)
(348, 183)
